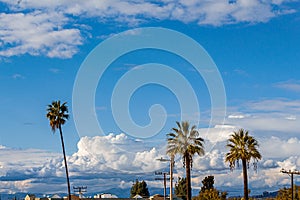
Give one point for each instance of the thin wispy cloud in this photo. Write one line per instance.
(277, 115)
(282, 105)
(241, 72)
(28, 123)
(54, 70)
(236, 116)
(18, 76)
(291, 85)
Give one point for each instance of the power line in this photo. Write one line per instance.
(80, 190)
(291, 174)
(170, 173)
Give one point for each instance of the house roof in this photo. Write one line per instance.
(138, 196)
(56, 196)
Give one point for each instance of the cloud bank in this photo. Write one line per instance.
(55, 28)
(112, 162)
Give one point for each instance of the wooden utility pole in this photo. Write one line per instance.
(171, 176)
(80, 190)
(164, 179)
(291, 174)
(170, 173)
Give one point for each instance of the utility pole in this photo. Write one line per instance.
(80, 190)
(291, 174)
(164, 179)
(171, 176)
(170, 173)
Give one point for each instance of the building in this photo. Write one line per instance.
(104, 196)
(30, 197)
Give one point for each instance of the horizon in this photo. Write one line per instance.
(123, 99)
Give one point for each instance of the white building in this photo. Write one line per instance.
(105, 195)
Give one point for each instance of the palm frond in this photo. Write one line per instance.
(242, 146)
(57, 114)
(185, 141)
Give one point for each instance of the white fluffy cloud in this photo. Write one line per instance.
(101, 162)
(202, 12)
(49, 27)
(113, 161)
(275, 147)
(38, 33)
(18, 170)
(115, 152)
(218, 133)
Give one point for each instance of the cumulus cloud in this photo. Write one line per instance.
(213, 160)
(38, 33)
(48, 27)
(116, 152)
(269, 164)
(218, 133)
(275, 147)
(11, 186)
(113, 161)
(106, 161)
(19, 168)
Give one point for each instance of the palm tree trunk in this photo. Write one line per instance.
(65, 159)
(244, 162)
(188, 177)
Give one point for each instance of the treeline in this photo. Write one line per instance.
(209, 192)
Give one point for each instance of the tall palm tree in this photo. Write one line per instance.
(186, 142)
(242, 147)
(57, 114)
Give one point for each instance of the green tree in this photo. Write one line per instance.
(245, 148)
(208, 183)
(186, 142)
(180, 188)
(139, 188)
(57, 114)
(208, 192)
(211, 194)
(286, 193)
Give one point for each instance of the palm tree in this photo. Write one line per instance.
(57, 115)
(186, 142)
(242, 147)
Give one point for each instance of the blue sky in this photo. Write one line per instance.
(254, 44)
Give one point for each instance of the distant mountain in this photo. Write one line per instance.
(122, 193)
(266, 195)
(125, 193)
(263, 195)
(17, 196)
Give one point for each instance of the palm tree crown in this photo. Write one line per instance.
(242, 147)
(186, 142)
(57, 114)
